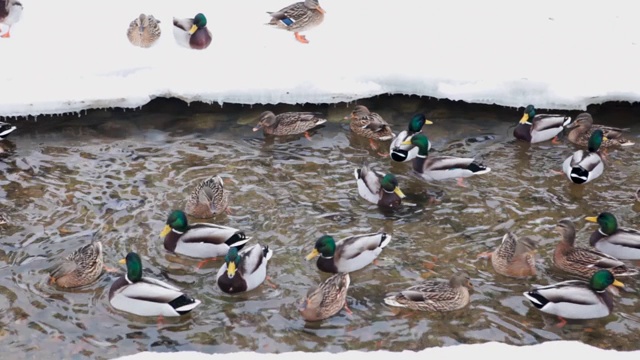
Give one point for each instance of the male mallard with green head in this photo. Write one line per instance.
(583, 128)
(584, 262)
(514, 257)
(402, 153)
(298, 17)
(144, 31)
(619, 242)
(584, 166)
(82, 267)
(10, 13)
(244, 270)
(435, 295)
(535, 128)
(288, 123)
(327, 299)
(369, 125)
(349, 254)
(208, 199)
(378, 189)
(145, 296)
(442, 167)
(192, 33)
(576, 299)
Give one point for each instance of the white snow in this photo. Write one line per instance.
(69, 55)
(492, 350)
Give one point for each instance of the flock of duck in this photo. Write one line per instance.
(245, 266)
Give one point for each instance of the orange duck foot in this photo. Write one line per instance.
(306, 134)
(556, 140)
(201, 263)
(346, 308)
(7, 34)
(460, 182)
(301, 38)
(562, 322)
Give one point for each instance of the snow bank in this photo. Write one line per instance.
(69, 55)
(492, 350)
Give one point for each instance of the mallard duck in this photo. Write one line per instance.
(327, 299)
(145, 296)
(200, 240)
(10, 13)
(298, 17)
(370, 125)
(581, 261)
(288, 123)
(576, 299)
(144, 31)
(377, 188)
(244, 270)
(583, 128)
(541, 127)
(514, 257)
(82, 267)
(435, 295)
(192, 33)
(442, 167)
(621, 243)
(583, 167)
(5, 130)
(208, 199)
(349, 254)
(403, 153)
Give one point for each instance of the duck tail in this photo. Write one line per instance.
(238, 240)
(385, 240)
(477, 168)
(391, 301)
(567, 121)
(183, 304)
(267, 253)
(536, 299)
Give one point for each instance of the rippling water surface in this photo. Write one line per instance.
(115, 176)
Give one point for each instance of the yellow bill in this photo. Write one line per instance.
(165, 231)
(604, 138)
(406, 142)
(313, 254)
(524, 119)
(399, 192)
(193, 29)
(618, 283)
(231, 269)
(122, 261)
(592, 219)
(428, 122)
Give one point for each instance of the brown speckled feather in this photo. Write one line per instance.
(434, 295)
(326, 299)
(300, 17)
(583, 127)
(514, 257)
(83, 266)
(208, 199)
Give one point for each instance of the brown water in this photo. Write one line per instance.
(115, 175)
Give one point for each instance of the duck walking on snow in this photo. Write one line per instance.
(298, 17)
(10, 13)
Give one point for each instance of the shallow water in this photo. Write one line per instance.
(115, 176)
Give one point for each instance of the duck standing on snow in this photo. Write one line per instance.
(245, 270)
(583, 167)
(583, 128)
(348, 254)
(621, 243)
(435, 295)
(82, 267)
(369, 125)
(378, 189)
(327, 299)
(208, 199)
(288, 123)
(144, 31)
(514, 257)
(442, 167)
(145, 296)
(403, 153)
(298, 17)
(10, 13)
(6, 129)
(192, 33)
(535, 128)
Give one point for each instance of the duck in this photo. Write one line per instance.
(208, 199)
(583, 128)
(192, 33)
(6, 129)
(514, 257)
(584, 262)
(298, 17)
(144, 31)
(585, 166)
(435, 295)
(288, 123)
(244, 270)
(379, 189)
(405, 153)
(442, 167)
(349, 254)
(369, 125)
(82, 267)
(576, 299)
(535, 128)
(145, 296)
(10, 13)
(327, 299)
(621, 243)
(200, 240)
